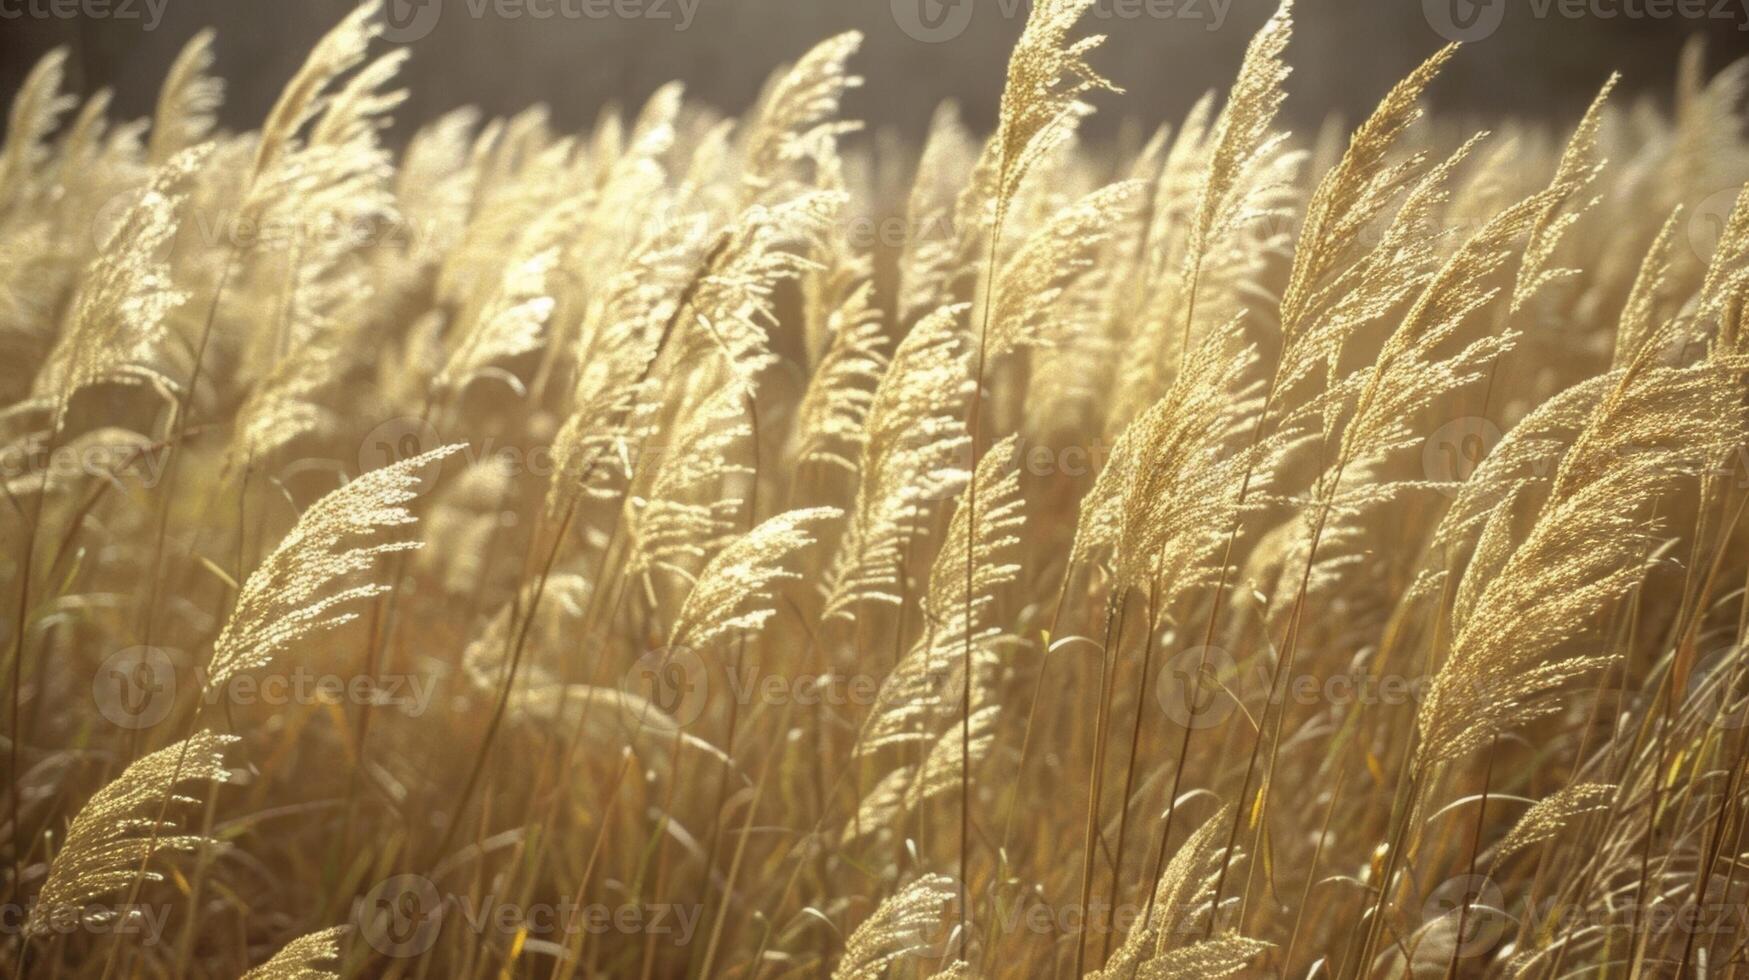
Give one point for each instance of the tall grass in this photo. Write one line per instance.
(740, 547)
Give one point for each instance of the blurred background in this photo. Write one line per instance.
(1545, 57)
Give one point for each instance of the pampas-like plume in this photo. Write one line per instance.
(733, 593)
(188, 102)
(508, 324)
(1041, 100)
(299, 959)
(117, 320)
(679, 507)
(913, 454)
(797, 111)
(1575, 172)
(1025, 311)
(1552, 814)
(830, 420)
(1585, 550)
(913, 700)
(903, 924)
(929, 260)
(35, 110)
(293, 594)
(1159, 946)
(733, 305)
(308, 93)
(1239, 158)
(1172, 486)
(1337, 280)
(617, 344)
(117, 831)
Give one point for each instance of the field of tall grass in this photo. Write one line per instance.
(752, 547)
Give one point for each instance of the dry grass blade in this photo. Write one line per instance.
(299, 959)
(116, 831)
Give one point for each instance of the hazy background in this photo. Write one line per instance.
(1346, 52)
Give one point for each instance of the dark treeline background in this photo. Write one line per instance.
(1346, 53)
